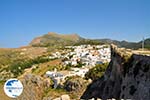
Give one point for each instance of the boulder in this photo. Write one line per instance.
(57, 98)
(65, 97)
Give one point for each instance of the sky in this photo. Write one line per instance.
(23, 20)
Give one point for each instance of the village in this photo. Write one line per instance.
(81, 58)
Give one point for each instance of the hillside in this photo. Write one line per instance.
(127, 76)
(54, 39)
(146, 42)
(30, 64)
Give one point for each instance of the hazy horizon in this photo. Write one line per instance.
(22, 21)
(71, 33)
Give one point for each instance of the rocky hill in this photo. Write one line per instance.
(127, 77)
(52, 39)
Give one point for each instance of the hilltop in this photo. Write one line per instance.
(52, 39)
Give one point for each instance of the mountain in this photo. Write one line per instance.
(52, 39)
(126, 77)
(146, 43)
(126, 44)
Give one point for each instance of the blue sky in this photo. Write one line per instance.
(22, 20)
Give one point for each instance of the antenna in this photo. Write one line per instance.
(143, 44)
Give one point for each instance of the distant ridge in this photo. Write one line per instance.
(126, 44)
(55, 39)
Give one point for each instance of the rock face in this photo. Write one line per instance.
(74, 84)
(127, 77)
(33, 87)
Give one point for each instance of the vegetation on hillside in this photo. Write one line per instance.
(89, 42)
(7, 56)
(18, 66)
(96, 72)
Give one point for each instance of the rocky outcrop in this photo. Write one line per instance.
(127, 77)
(75, 84)
(34, 87)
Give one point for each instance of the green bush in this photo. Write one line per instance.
(79, 64)
(18, 67)
(96, 72)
